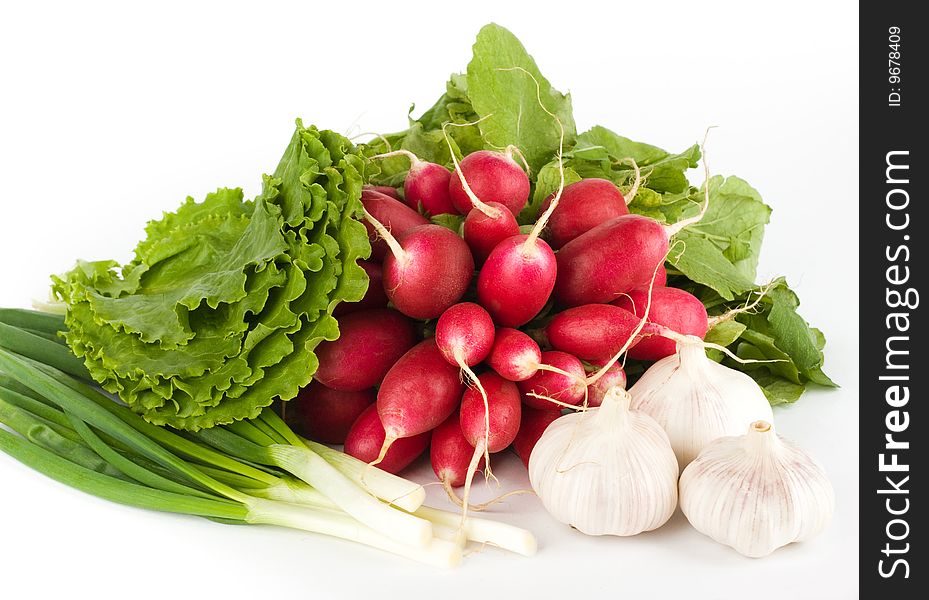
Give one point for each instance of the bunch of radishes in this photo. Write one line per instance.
(479, 384)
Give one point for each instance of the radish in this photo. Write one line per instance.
(604, 372)
(489, 422)
(366, 438)
(370, 342)
(324, 414)
(562, 381)
(618, 256)
(489, 177)
(426, 185)
(419, 392)
(613, 258)
(531, 426)
(465, 335)
(394, 215)
(517, 279)
(450, 454)
(676, 309)
(613, 376)
(427, 271)
(661, 278)
(584, 205)
(384, 189)
(483, 231)
(515, 356)
(593, 331)
(375, 296)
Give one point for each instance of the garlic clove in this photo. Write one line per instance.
(697, 400)
(606, 470)
(756, 492)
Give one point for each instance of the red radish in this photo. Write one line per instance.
(386, 190)
(366, 438)
(608, 366)
(515, 355)
(562, 379)
(450, 454)
(375, 296)
(618, 256)
(517, 279)
(483, 232)
(584, 205)
(395, 216)
(593, 331)
(370, 342)
(427, 271)
(531, 427)
(503, 398)
(324, 414)
(465, 334)
(661, 277)
(613, 258)
(426, 184)
(613, 376)
(491, 177)
(419, 392)
(489, 422)
(673, 308)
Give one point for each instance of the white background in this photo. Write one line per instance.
(110, 114)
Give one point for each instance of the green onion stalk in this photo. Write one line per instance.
(257, 471)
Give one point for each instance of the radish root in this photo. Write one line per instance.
(543, 220)
(483, 505)
(385, 447)
(479, 450)
(559, 402)
(490, 211)
(388, 442)
(630, 196)
(459, 358)
(511, 151)
(414, 160)
(399, 253)
(676, 227)
(749, 306)
(689, 339)
(379, 136)
(635, 332)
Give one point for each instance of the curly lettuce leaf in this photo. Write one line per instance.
(225, 302)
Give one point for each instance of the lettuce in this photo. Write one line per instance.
(219, 312)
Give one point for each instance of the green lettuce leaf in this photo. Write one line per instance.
(221, 309)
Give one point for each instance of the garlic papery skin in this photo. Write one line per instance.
(697, 400)
(756, 492)
(607, 470)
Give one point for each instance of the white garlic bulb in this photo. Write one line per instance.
(756, 492)
(697, 400)
(606, 470)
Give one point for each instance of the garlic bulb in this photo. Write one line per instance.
(756, 492)
(606, 470)
(697, 400)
